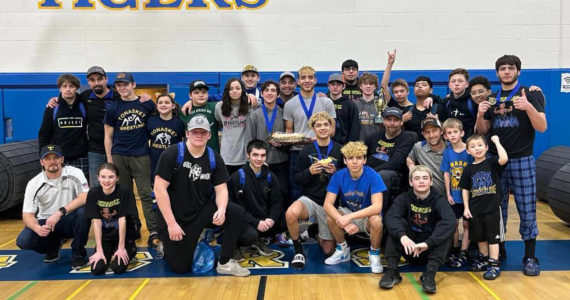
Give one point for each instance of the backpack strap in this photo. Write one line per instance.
(180, 156)
(212, 158)
(241, 174)
(55, 110)
(269, 178)
(81, 109)
(470, 106)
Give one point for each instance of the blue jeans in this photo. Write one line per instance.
(95, 161)
(74, 225)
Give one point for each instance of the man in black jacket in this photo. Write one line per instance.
(256, 189)
(420, 226)
(387, 152)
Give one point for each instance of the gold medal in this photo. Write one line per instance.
(515, 98)
(492, 100)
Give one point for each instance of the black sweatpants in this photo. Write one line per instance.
(110, 245)
(250, 234)
(433, 257)
(180, 254)
(282, 172)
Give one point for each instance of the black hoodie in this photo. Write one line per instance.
(430, 220)
(347, 122)
(259, 199)
(464, 109)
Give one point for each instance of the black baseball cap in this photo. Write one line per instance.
(198, 84)
(349, 63)
(47, 149)
(124, 77)
(392, 111)
(96, 70)
(431, 121)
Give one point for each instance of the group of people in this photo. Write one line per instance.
(370, 161)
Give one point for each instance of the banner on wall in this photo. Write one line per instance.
(154, 4)
(565, 83)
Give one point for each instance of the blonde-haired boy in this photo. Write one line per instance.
(360, 190)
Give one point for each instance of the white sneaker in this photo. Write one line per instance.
(375, 263)
(232, 268)
(338, 256)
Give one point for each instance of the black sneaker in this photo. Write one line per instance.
(262, 248)
(153, 241)
(78, 262)
(479, 264)
(428, 281)
(391, 277)
(53, 255)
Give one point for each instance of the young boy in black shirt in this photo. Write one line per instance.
(482, 193)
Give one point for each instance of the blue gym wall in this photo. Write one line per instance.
(24, 95)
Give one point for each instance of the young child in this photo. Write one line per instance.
(231, 113)
(482, 194)
(359, 190)
(114, 215)
(455, 159)
(164, 128)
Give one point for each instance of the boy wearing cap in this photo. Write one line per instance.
(359, 190)
(200, 105)
(126, 145)
(349, 71)
(429, 152)
(387, 153)
(66, 124)
(287, 86)
(250, 78)
(53, 209)
(193, 194)
(347, 125)
(297, 113)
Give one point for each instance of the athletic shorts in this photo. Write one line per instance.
(318, 213)
(458, 209)
(485, 227)
(360, 223)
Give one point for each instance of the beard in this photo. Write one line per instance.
(513, 80)
(98, 90)
(52, 169)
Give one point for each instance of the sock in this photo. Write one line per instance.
(298, 247)
(224, 260)
(374, 251)
(313, 230)
(529, 246)
(343, 245)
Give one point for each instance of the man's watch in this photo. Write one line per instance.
(63, 211)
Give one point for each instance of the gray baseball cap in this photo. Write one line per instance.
(335, 77)
(96, 70)
(198, 121)
(285, 74)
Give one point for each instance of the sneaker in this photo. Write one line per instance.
(531, 267)
(458, 260)
(262, 248)
(53, 255)
(78, 262)
(338, 256)
(390, 278)
(238, 256)
(232, 268)
(479, 264)
(298, 261)
(282, 240)
(153, 241)
(428, 281)
(492, 273)
(375, 263)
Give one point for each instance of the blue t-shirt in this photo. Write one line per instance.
(129, 118)
(454, 163)
(162, 133)
(356, 194)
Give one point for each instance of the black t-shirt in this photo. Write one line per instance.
(415, 124)
(109, 208)
(352, 92)
(512, 125)
(390, 154)
(96, 108)
(464, 109)
(484, 185)
(192, 183)
(394, 103)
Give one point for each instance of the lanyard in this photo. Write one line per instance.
(308, 112)
(511, 95)
(269, 123)
(329, 148)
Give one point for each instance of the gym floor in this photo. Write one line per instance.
(23, 275)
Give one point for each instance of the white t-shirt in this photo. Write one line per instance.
(46, 196)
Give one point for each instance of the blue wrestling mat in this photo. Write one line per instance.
(29, 266)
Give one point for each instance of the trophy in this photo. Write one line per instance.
(380, 105)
